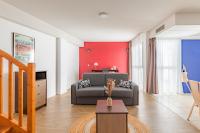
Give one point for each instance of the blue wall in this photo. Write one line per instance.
(191, 58)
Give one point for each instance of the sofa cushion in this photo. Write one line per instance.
(117, 77)
(96, 79)
(90, 91)
(84, 83)
(125, 84)
(122, 92)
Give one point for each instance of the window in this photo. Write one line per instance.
(138, 60)
(168, 65)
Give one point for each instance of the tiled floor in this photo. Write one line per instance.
(181, 105)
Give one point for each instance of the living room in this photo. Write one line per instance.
(99, 66)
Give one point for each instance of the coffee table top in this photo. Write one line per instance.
(118, 107)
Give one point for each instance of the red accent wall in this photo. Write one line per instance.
(107, 54)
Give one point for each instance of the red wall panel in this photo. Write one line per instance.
(106, 54)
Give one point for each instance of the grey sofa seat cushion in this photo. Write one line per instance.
(122, 92)
(91, 91)
(96, 79)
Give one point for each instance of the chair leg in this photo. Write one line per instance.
(191, 111)
(199, 109)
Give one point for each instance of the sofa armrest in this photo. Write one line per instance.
(134, 86)
(74, 88)
(135, 89)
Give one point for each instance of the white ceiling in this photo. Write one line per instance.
(126, 17)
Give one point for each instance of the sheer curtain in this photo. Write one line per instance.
(169, 65)
(138, 60)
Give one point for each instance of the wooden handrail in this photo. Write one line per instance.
(1, 85)
(13, 60)
(30, 70)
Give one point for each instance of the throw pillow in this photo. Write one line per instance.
(125, 84)
(84, 83)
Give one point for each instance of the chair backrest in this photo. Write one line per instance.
(195, 89)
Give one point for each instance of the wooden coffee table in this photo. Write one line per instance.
(111, 120)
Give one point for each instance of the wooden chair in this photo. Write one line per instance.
(195, 89)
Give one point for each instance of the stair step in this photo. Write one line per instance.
(4, 129)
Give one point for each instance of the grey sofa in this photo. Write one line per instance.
(90, 95)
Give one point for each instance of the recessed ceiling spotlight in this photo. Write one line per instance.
(103, 15)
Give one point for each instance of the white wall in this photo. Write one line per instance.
(45, 52)
(67, 65)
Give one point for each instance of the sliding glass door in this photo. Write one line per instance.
(168, 65)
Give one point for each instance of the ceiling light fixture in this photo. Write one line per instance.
(103, 15)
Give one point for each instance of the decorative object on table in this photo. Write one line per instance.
(23, 48)
(96, 65)
(125, 84)
(184, 80)
(84, 83)
(114, 68)
(108, 89)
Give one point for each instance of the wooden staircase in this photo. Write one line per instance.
(5, 129)
(7, 122)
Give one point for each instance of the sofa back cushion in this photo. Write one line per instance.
(96, 79)
(84, 83)
(117, 77)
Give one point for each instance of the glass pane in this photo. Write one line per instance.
(168, 65)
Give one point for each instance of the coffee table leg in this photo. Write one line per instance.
(96, 123)
(126, 123)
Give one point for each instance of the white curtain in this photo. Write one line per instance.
(169, 65)
(138, 60)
